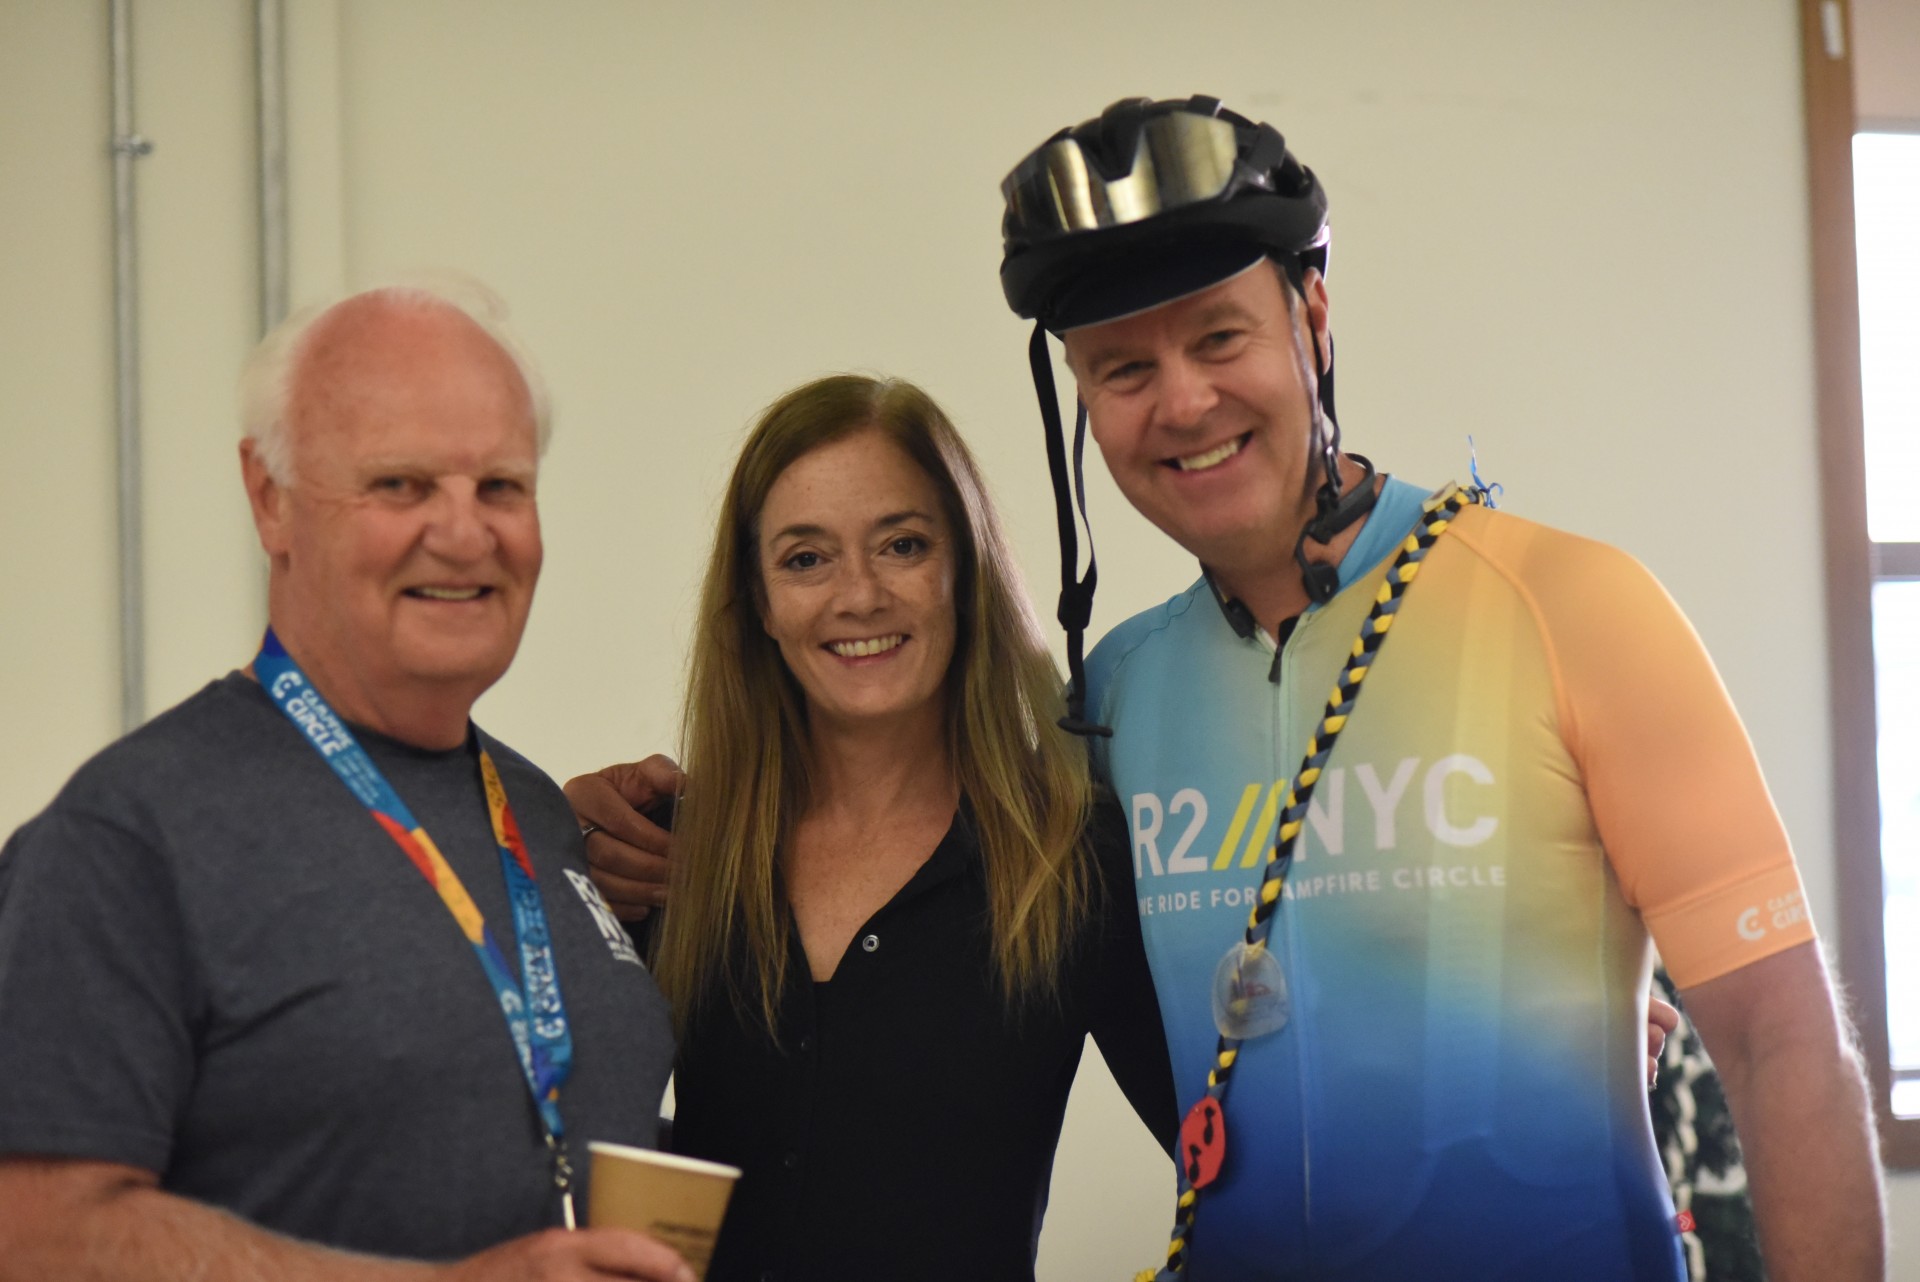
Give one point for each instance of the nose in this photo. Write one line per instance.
(858, 589)
(457, 530)
(1186, 391)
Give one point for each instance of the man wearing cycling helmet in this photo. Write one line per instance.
(1404, 782)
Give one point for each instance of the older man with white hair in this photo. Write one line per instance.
(303, 979)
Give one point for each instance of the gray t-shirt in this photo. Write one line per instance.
(214, 965)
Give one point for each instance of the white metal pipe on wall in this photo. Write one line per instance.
(128, 146)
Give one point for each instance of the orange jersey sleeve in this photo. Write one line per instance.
(1675, 789)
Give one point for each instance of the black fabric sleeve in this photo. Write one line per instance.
(97, 995)
(1124, 1012)
(642, 932)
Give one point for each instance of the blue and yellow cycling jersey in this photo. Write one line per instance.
(1542, 769)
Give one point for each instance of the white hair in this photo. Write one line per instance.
(267, 378)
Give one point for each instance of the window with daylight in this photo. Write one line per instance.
(1886, 169)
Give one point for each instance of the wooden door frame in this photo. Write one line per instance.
(1827, 75)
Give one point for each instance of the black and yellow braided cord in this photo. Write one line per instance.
(1435, 519)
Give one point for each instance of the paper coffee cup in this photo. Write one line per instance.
(678, 1200)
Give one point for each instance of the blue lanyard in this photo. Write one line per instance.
(536, 1015)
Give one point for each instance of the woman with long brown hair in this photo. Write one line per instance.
(895, 912)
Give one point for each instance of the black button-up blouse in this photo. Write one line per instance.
(904, 1126)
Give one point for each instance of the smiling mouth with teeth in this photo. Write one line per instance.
(865, 649)
(448, 594)
(1211, 458)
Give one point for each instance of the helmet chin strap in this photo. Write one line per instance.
(1076, 594)
(1335, 509)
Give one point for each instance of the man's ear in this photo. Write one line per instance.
(1313, 290)
(267, 497)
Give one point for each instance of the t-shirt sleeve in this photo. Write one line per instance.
(1125, 1016)
(1675, 789)
(96, 995)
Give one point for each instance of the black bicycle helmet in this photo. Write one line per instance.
(1148, 202)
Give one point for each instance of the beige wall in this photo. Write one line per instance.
(1585, 246)
(59, 683)
(58, 691)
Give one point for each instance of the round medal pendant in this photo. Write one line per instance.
(1249, 994)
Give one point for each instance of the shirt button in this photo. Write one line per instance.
(871, 943)
(791, 1161)
(806, 1044)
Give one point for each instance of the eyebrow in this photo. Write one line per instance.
(391, 466)
(1097, 357)
(803, 530)
(1200, 322)
(1224, 310)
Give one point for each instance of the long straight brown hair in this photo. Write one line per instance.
(744, 728)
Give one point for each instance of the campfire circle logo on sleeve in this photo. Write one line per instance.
(1780, 912)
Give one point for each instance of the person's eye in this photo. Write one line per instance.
(395, 487)
(1127, 374)
(801, 561)
(1222, 342)
(908, 545)
(502, 488)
